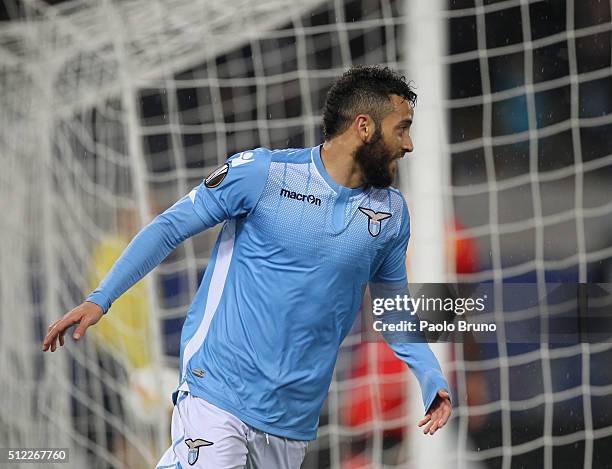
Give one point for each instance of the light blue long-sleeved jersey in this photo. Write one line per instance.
(283, 287)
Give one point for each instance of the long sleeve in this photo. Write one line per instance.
(147, 250)
(231, 191)
(425, 367)
(411, 347)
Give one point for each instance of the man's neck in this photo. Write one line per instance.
(337, 155)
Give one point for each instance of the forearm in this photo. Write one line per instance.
(147, 250)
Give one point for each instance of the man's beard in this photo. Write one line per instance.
(374, 159)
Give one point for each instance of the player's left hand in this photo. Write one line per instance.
(438, 413)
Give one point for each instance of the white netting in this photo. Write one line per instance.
(112, 110)
(531, 119)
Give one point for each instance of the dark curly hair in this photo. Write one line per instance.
(362, 90)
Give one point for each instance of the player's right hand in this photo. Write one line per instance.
(85, 315)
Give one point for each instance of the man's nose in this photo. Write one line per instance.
(407, 145)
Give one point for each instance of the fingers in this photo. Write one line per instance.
(424, 420)
(58, 329)
(434, 424)
(431, 428)
(85, 315)
(80, 330)
(49, 340)
(441, 416)
(432, 421)
(438, 415)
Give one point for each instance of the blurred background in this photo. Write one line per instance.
(110, 110)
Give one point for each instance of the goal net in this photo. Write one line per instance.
(112, 110)
(530, 105)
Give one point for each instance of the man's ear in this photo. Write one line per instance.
(365, 127)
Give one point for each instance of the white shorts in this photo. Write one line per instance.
(206, 437)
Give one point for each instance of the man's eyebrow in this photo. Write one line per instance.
(404, 122)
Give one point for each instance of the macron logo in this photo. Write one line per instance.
(311, 199)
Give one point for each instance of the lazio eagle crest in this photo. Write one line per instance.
(374, 220)
(194, 449)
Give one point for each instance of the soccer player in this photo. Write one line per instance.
(304, 231)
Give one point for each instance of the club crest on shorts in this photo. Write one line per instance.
(194, 449)
(216, 177)
(374, 220)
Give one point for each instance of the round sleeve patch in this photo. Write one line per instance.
(216, 177)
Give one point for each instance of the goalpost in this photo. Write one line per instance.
(425, 182)
(110, 111)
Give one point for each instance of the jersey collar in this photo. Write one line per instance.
(341, 190)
